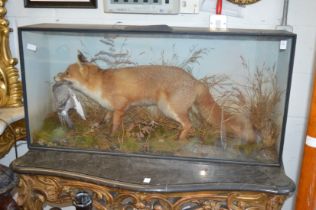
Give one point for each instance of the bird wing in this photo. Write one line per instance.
(78, 106)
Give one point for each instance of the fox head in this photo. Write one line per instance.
(77, 73)
(241, 127)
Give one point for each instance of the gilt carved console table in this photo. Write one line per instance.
(120, 183)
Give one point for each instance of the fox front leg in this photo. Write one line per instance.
(117, 120)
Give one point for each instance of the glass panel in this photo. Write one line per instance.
(210, 96)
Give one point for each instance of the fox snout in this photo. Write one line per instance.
(59, 77)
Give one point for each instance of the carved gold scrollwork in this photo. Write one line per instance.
(28, 196)
(34, 191)
(14, 132)
(142, 201)
(276, 202)
(3, 11)
(238, 201)
(209, 201)
(10, 86)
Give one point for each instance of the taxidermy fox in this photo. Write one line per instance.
(172, 89)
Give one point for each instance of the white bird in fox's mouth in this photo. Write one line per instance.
(66, 99)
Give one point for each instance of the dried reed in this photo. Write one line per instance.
(115, 56)
(258, 99)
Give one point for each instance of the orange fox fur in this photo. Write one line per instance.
(172, 89)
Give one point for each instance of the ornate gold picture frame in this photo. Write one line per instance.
(61, 3)
(10, 88)
(243, 2)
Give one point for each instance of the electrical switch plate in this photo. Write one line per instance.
(218, 22)
(142, 6)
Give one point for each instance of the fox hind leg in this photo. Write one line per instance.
(181, 116)
(184, 120)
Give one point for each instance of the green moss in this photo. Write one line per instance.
(41, 137)
(102, 143)
(51, 124)
(248, 149)
(80, 127)
(85, 141)
(165, 144)
(58, 133)
(130, 145)
(210, 139)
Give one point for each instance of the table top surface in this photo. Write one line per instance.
(154, 174)
(8, 179)
(10, 115)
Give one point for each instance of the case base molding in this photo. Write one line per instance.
(36, 190)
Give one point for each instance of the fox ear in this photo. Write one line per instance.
(81, 57)
(80, 60)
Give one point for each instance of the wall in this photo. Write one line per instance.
(266, 14)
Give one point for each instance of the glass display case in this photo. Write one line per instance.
(157, 92)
